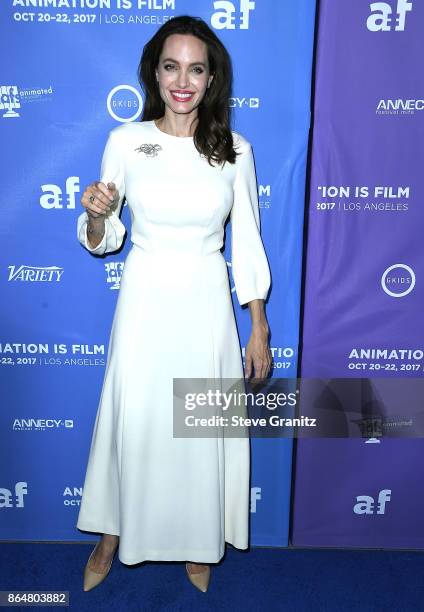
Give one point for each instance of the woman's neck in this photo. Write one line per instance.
(181, 125)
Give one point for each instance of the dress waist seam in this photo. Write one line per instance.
(175, 252)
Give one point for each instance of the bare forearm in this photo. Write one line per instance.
(95, 231)
(257, 314)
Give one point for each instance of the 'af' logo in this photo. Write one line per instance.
(381, 19)
(53, 196)
(366, 504)
(224, 17)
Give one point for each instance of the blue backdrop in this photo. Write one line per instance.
(68, 77)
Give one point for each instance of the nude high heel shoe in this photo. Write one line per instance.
(92, 578)
(201, 580)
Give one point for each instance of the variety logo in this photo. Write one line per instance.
(228, 15)
(48, 274)
(16, 500)
(41, 424)
(382, 18)
(35, 274)
(366, 504)
(398, 280)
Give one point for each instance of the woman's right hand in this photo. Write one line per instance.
(104, 197)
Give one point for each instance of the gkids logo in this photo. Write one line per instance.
(366, 504)
(398, 280)
(382, 18)
(124, 103)
(226, 14)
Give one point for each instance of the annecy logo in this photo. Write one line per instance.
(31, 424)
(398, 280)
(382, 18)
(399, 107)
(244, 102)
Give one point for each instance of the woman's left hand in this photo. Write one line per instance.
(258, 355)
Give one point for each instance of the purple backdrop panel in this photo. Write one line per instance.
(356, 494)
(363, 296)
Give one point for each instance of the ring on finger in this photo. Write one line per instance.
(91, 198)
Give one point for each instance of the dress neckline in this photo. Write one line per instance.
(166, 135)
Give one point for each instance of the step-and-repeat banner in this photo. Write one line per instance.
(364, 268)
(69, 75)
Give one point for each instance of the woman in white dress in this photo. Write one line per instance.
(183, 172)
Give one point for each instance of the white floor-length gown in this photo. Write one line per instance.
(170, 498)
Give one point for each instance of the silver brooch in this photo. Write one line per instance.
(151, 150)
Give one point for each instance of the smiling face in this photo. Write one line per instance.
(183, 72)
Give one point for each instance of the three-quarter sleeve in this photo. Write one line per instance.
(249, 262)
(112, 171)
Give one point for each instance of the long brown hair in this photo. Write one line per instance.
(212, 136)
